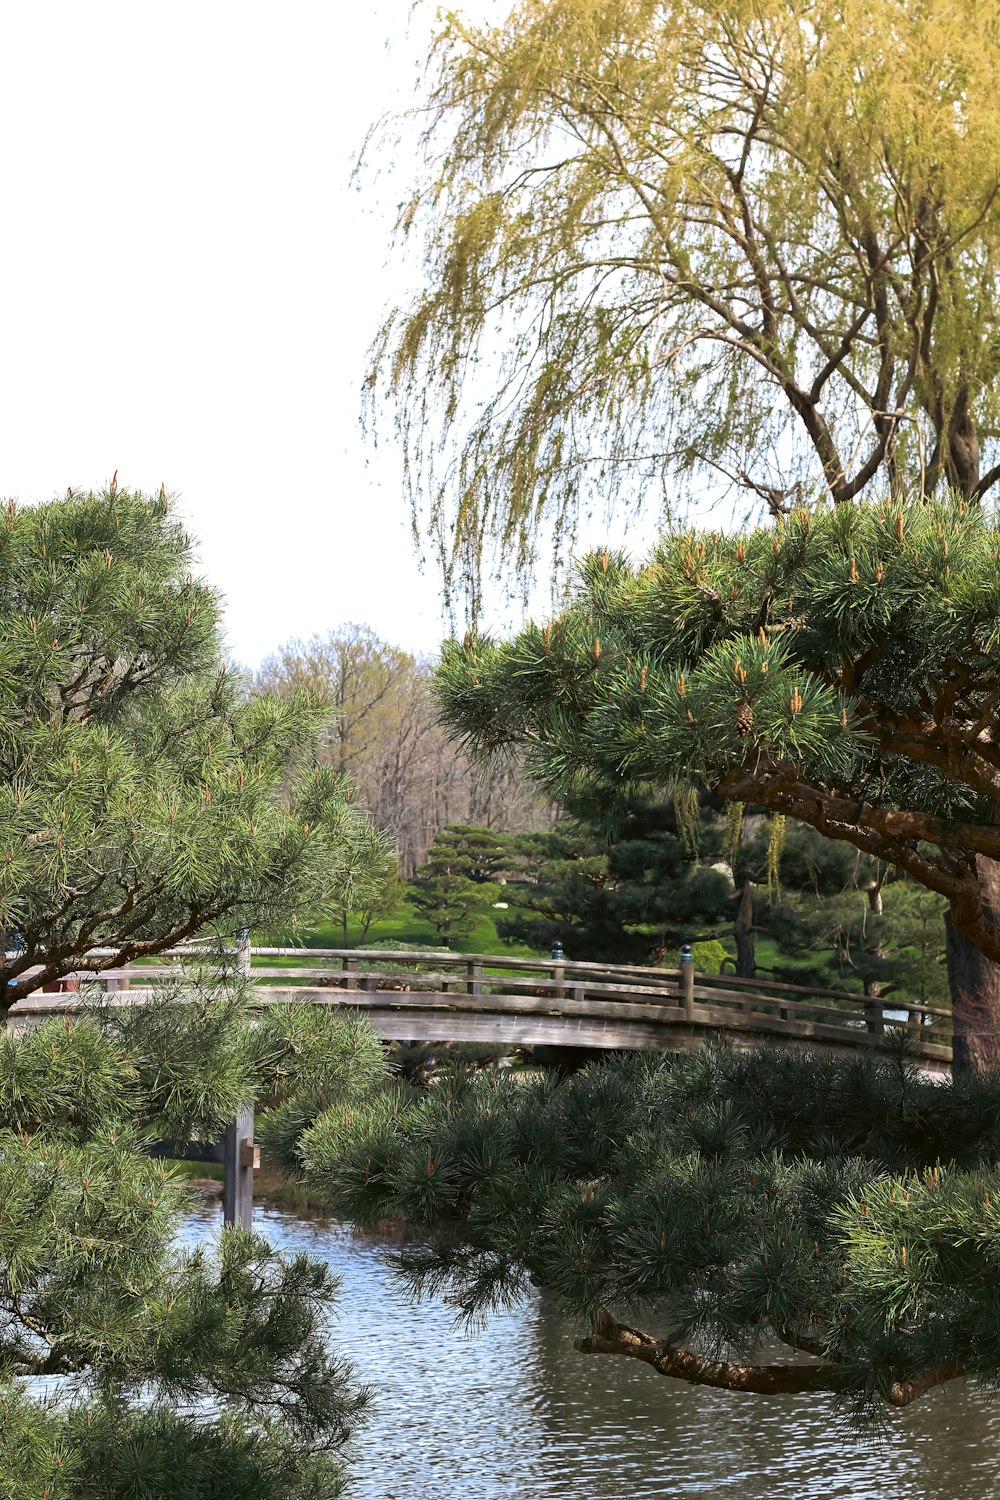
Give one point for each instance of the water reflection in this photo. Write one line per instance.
(514, 1411)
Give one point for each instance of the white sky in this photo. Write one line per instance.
(189, 284)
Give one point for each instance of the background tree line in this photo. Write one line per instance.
(386, 736)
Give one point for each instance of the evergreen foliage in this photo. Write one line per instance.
(833, 917)
(171, 1371)
(833, 922)
(366, 884)
(628, 900)
(145, 797)
(839, 666)
(724, 1200)
(458, 878)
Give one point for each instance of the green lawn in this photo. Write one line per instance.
(407, 926)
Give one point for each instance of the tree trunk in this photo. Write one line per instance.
(746, 956)
(975, 986)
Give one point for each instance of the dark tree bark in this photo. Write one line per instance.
(975, 985)
(746, 956)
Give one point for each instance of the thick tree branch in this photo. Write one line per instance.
(760, 1380)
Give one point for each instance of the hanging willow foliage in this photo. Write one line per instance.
(687, 810)
(728, 283)
(734, 829)
(775, 845)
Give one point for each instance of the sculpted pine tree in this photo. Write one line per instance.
(631, 898)
(456, 882)
(750, 252)
(146, 797)
(840, 667)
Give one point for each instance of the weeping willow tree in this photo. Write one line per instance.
(752, 242)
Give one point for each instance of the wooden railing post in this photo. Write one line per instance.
(687, 981)
(474, 977)
(347, 967)
(558, 971)
(243, 964)
(875, 1020)
(240, 1156)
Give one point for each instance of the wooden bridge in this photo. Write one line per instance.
(499, 1001)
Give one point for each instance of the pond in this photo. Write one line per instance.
(514, 1411)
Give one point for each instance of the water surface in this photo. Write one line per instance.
(514, 1411)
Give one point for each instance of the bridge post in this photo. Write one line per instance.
(347, 968)
(239, 1157)
(558, 970)
(687, 981)
(474, 981)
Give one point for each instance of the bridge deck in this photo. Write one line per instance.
(501, 1001)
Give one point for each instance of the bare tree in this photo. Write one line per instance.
(386, 737)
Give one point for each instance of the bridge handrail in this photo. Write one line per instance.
(446, 958)
(564, 965)
(388, 982)
(461, 963)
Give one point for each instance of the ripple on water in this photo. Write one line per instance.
(513, 1411)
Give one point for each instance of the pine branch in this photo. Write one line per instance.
(760, 1380)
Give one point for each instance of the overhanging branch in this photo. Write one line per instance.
(760, 1380)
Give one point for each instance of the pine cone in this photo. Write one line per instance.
(743, 723)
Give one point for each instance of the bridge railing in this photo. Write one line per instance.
(452, 996)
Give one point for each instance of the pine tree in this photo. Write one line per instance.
(861, 640)
(825, 913)
(631, 897)
(841, 919)
(728, 1199)
(146, 797)
(457, 879)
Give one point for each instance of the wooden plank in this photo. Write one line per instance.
(457, 1004)
(867, 1005)
(495, 960)
(779, 987)
(423, 983)
(493, 1029)
(507, 1030)
(522, 1019)
(457, 1014)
